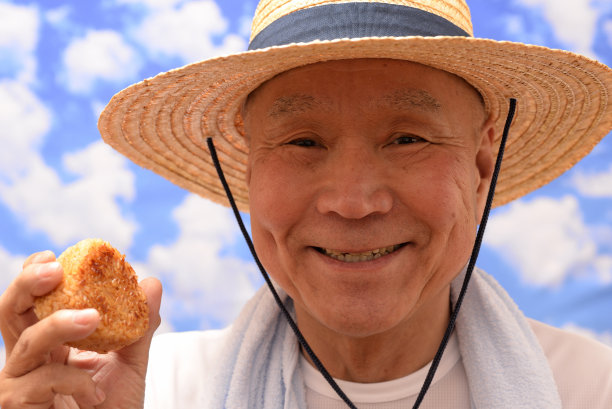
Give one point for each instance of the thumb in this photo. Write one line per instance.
(137, 353)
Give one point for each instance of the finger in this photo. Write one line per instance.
(40, 257)
(17, 301)
(138, 352)
(36, 343)
(68, 402)
(85, 360)
(39, 388)
(35, 280)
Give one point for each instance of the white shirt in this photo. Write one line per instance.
(449, 388)
(182, 364)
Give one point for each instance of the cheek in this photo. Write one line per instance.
(276, 200)
(266, 230)
(443, 203)
(454, 175)
(444, 196)
(277, 205)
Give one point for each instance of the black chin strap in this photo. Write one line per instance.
(473, 257)
(455, 312)
(292, 324)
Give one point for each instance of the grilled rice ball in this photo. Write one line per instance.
(96, 275)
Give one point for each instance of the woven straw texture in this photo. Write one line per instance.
(564, 106)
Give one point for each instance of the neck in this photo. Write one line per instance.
(386, 355)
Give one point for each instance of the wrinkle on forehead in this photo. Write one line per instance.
(301, 103)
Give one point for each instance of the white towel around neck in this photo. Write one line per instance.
(504, 363)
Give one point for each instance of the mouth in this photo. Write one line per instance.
(361, 256)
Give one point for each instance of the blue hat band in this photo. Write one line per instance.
(353, 20)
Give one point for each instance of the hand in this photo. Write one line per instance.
(40, 372)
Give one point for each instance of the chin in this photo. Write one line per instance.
(358, 319)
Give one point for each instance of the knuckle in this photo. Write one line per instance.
(8, 400)
(24, 342)
(156, 322)
(28, 272)
(25, 353)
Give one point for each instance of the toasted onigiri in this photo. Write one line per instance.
(96, 275)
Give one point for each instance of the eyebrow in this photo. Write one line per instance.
(410, 98)
(292, 104)
(399, 100)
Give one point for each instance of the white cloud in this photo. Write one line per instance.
(101, 55)
(246, 23)
(24, 121)
(19, 27)
(97, 107)
(603, 337)
(154, 4)
(58, 16)
(85, 207)
(203, 284)
(187, 32)
(547, 240)
(10, 265)
(597, 184)
(573, 22)
(34, 192)
(607, 27)
(516, 28)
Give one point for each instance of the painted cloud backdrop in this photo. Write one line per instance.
(61, 61)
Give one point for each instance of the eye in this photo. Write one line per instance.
(303, 142)
(405, 139)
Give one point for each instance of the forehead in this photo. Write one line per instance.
(392, 84)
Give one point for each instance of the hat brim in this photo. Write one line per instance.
(563, 107)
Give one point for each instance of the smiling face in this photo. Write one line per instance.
(367, 179)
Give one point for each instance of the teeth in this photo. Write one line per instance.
(363, 256)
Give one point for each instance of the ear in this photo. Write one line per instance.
(485, 163)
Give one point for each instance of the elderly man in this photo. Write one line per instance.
(365, 150)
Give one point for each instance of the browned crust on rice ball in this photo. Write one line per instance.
(96, 275)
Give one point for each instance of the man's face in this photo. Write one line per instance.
(367, 179)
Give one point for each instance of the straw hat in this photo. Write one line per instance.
(564, 105)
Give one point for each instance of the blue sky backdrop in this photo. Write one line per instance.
(61, 62)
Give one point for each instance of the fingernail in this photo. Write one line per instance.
(46, 270)
(43, 255)
(100, 394)
(84, 317)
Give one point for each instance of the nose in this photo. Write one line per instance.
(354, 185)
